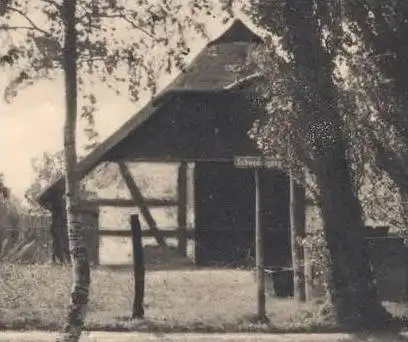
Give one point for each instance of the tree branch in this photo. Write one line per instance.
(15, 28)
(389, 162)
(240, 82)
(52, 3)
(33, 25)
(132, 23)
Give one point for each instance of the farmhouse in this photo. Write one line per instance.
(199, 122)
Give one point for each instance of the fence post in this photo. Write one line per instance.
(138, 267)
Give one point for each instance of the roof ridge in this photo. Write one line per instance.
(238, 32)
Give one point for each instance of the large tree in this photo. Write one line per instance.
(81, 38)
(379, 66)
(306, 119)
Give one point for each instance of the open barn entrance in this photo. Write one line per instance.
(225, 215)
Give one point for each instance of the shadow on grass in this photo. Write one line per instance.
(157, 258)
(379, 337)
(127, 324)
(249, 324)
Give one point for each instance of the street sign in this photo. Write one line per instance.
(249, 162)
(256, 163)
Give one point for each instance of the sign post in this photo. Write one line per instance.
(259, 250)
(256, 163)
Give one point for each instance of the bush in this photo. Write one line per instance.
(318, 255)
(27, 244)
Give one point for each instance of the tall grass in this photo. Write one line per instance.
(28, 241)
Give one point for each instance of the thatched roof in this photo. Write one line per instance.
(218, 65)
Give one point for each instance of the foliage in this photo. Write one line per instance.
(17, 241)
(123, 44)
(4, 191)
(26, 244)
(50, 167)
(46, 171)
(366, 103)
(10, 208)
(378, 67)
(306, 126)
(318, 256)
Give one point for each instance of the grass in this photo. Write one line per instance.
(35, 297)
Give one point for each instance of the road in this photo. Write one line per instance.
(36, 336)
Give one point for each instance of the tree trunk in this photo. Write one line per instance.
(297, 231)
(78, 252)
(352, 292)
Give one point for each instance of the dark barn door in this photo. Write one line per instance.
(225, 217)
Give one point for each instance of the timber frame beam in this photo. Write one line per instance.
(176, 160)
(140, 202)
(129, 203)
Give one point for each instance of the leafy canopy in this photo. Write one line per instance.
(124, 44)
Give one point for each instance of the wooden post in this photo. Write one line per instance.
(182, 208)
(297, 230)
(191, 209)
(138, 267)
(260, 275)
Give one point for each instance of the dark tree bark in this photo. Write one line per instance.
(352, 292)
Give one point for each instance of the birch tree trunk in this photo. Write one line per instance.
(78, 252)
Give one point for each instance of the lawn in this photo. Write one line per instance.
(35, 297)
(179, 300)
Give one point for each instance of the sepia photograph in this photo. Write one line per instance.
(203, 170)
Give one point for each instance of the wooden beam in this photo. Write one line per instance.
(115, 232)
(139, 200)
(164, 159)
(182, 208)
(128, 203)
(168, 233)
(173, 231)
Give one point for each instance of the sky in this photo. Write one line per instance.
(33, 122)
